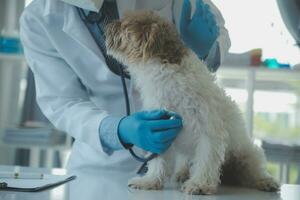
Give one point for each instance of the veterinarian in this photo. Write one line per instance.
(79, 93)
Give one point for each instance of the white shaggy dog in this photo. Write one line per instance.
(213, 144)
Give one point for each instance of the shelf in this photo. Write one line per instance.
(11, 57)
(264, 74)
(262, 78)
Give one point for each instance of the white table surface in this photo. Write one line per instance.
(92, 184)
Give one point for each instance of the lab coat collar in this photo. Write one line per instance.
(123, 6)
(91, 5)
(75, 28)
(50, 8)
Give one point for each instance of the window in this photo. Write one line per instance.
(258, 24)
(275, 110)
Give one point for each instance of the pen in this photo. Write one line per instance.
(23, 175)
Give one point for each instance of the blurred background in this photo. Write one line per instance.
(262, 74)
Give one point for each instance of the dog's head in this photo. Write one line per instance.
(143, 35)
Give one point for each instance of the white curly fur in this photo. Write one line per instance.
(214, 138)
(213, 142)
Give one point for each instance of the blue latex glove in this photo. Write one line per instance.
(152, 131)
(200, 32)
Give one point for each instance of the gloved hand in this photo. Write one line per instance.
(200, 32)
(152, 131)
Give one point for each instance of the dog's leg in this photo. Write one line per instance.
(251, 167)
(205, 170)
(182, 168)
(158, 169)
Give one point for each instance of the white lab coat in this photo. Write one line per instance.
(75, 88)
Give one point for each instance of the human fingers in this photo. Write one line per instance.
(153, 114)
(165, 136)
(185, 17)
(158, 125)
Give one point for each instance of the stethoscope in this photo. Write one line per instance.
(93, 19)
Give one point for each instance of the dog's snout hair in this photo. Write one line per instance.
(144, 35)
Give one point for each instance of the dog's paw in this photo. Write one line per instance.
(182, 176)
(268, 185)
(191, 187)
(145, 183)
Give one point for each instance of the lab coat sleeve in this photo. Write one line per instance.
(60, 93)
(109, 137)
(220, 49)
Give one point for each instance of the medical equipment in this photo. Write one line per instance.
(9, 44)
(9, 35)
(95, 23)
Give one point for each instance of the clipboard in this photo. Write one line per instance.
(34, 185)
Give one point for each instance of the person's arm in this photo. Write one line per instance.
(60, 94)
(65, 102)
(220, 48)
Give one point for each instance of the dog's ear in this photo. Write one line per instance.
(153, 41)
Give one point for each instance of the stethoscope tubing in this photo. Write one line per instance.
(145, 160)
